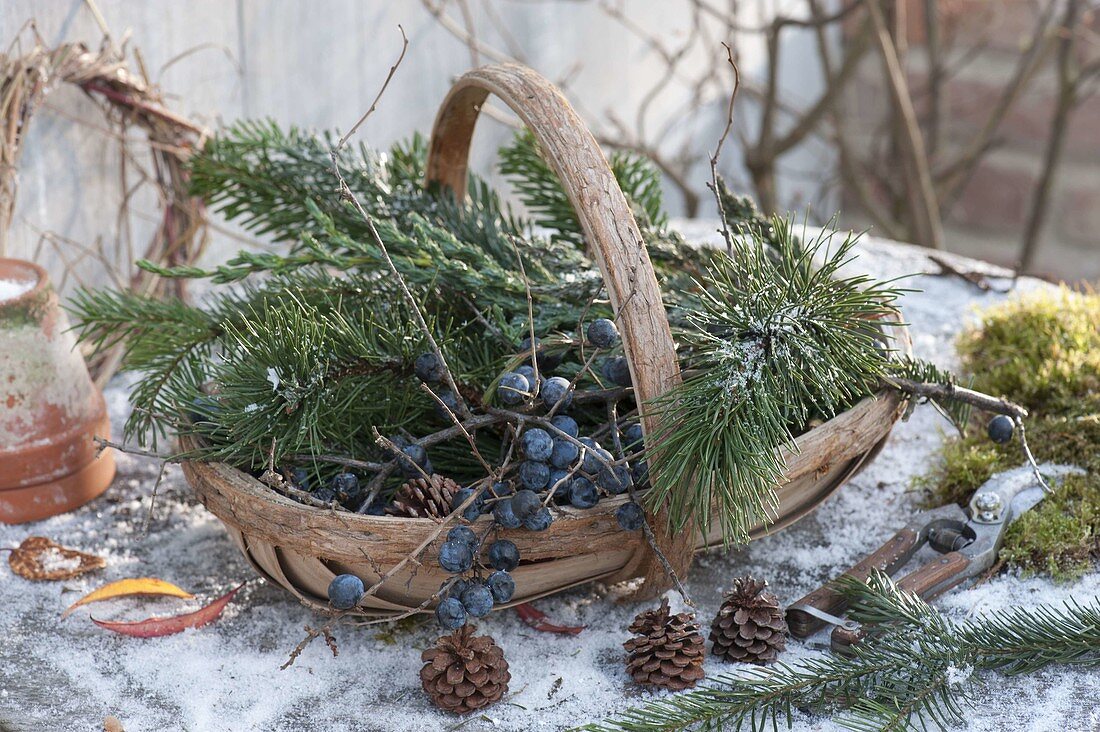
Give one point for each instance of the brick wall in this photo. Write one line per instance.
(987, 217)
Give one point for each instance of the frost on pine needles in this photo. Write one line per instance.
(779, 338)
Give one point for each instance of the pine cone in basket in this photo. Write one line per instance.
(750, 626)
(667, 650)
(424, 497)
(464, 672)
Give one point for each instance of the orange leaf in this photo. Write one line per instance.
(39, 558)
(128, 588)
(157, 627)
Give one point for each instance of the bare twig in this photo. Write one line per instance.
(951, 392)
(718, 149)
(1068, 88)
(925, 213)
(465, 432)
(104, 443)
(647, 530)
(1029, 457)
(347, 462)
(349, 195)
(381, 91)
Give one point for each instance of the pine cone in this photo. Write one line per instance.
(464, 672)
(750, 626)
(424, 497)
(667, 650)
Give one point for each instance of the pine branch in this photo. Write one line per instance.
(776, 341)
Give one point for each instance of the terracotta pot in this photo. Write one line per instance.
(49, 408)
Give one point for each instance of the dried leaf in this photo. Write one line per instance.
(539, 621)
(128, 588)
(157, 627)
(39, 558)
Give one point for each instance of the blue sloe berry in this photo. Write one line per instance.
(478, 600)
(564, 454)
(502, 489)
(400, 442)
(556, 391)
(501, 585)
(449, 406)
(300, 477)
(632, 437)
(640, 473)
(528, 373)
(539, 521)
(324, 494)
(614, 480)
(559, 479)
(458, 586)
(450, 613)
(534, 475)
(412, 457)
(345, 591)
(503, 555)
(428, 368)
(463, 535)
(513, 388)
(525, 503)
(1000, 429)
(456, 556)
(595, 458)
(582, 493)
(630, 516)
(603, 333)
(472, 511)
(537, 444)
(346, 486)
(616, 370)
(505, 516)
(204, 409)
(566, 424)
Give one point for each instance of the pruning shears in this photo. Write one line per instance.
(967, 542)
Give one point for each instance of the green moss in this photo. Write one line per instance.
(1060, 535)
(966, 463)
(1041, 351)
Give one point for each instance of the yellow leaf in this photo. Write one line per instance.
(128, 588)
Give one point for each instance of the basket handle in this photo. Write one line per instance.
(611, 231)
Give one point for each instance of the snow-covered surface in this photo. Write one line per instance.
(11, 289)
(68, 675)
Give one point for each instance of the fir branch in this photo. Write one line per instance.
(538, 187)
(914, 672)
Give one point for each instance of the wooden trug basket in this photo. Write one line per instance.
(302, 548)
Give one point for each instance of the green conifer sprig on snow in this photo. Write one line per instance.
(916, 670)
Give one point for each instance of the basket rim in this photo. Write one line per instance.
(271, 496)
(885, 405)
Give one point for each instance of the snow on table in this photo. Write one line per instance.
(68, 675)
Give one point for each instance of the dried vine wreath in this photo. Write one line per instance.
(127, 98)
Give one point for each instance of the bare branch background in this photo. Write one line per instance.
(905, 174)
